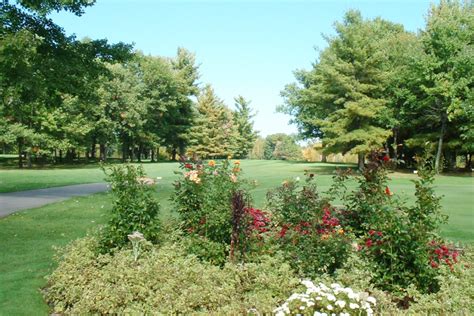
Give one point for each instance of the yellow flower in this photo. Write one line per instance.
(341, 231)
(237, 162)
(324, 237)
(211, 163)
(193, 175)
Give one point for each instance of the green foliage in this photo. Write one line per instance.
(163, 280)
(214, 133)
(376, 84)
(342, 98)
(134, 207)
(46, 6)
(203, 200)
(246, 135)
(258, 149)
(281, 146)
(309, 233)
(293, 202)
(394, 236)
(454, 296)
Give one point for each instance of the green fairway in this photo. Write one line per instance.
(27, 238)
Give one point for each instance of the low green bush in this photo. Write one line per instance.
(163, 280)
(134, 207)
(454, 297)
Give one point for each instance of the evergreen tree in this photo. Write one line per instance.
(258, 149)
(246, 135)
(214, 133)
(342, 98)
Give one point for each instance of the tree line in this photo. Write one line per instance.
(62, 96)
(377, 85)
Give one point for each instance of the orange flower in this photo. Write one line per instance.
(388, 192)
(324, 236)
(211, 163)
(237, 162)
(340, 231)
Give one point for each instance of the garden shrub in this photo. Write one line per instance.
(203, 199)
(134, 207)
(394, 236)
(454, 297)
(309, 232)
(163, 280)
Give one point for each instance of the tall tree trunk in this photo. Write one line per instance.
(20, 153)
(60, 155)
(468, 162)
(440, 142)
(395, 143)
(102, 152)
(28, 159)
(152, 154)
(361, 161)
(139, 152)
(124, 151)
(93, 148)
(324, 157)
(173, 154)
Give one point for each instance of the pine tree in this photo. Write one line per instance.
(246, 135)
(342, 97)
(214, 133)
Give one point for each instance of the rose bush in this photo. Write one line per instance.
(202, 197)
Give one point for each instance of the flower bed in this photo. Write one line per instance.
(226, 256)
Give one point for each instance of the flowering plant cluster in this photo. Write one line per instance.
(327, 300)
(442, 254)
(309, 233)
(374, 238)
(396, 237)
(258, 221)
(203, 197)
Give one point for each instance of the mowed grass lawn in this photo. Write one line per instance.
(27, 238)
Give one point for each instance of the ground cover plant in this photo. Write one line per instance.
(395, 260)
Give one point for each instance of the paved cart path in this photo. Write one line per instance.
(17, 201)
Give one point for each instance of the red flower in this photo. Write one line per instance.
(386, 158)
(283, 231)
(188, 166)
(388, 192)
(371, 232)
(433, 264)
(455, 256)
(369, 243)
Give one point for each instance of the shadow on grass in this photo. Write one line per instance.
(9, 163)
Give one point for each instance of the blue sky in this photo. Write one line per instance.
(248, 48)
